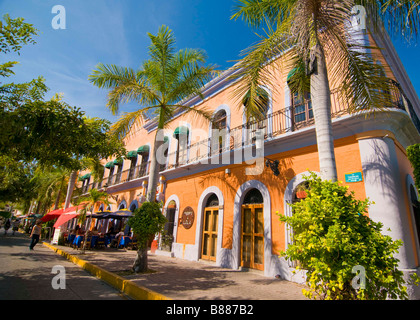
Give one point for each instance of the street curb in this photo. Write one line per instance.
(128, 287)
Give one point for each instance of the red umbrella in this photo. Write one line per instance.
(52, 215)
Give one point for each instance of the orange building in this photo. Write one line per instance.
(222, 200)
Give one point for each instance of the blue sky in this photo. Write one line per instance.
(115, 31)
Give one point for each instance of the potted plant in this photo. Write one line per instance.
(301, 191)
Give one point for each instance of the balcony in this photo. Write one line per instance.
(291, 119)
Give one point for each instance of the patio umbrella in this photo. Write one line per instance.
(122, 213)
(101, 214)
(52, 215)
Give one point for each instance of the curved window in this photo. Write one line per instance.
(253, 196)
(218, 132)
(213, 201)
(122, 205)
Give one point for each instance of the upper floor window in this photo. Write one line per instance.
(219, 120)
(302, 107)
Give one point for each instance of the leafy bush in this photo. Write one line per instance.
(413, 155)
(334, 240)
(146, 222)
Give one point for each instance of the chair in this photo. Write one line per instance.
(132, 244)
(70, 239)
(101, 242)
(88, 242)
(94, 241)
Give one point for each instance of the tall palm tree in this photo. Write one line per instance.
(159, 87)
(50, 185)
(320, 35)
(88, 202)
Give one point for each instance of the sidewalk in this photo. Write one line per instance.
(180, 279)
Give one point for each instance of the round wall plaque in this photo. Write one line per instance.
(187, 218)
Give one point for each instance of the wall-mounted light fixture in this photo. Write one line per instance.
(274, 166)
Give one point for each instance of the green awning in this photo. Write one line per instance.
(181, 130)
(291, 74)
(118, 161)
(86, 176)
(110, 165)
(143, 149)
(132, 154)
(262, 97)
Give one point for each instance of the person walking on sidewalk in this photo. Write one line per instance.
(6, 226)
(15, 226)
(35, 234)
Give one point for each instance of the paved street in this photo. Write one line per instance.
(181, 279)
(26, 274)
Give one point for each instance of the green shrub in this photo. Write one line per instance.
(413, 155)
(147, 221)
(333, 239)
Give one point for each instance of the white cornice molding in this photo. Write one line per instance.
(391, 56)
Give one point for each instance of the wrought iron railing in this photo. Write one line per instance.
(290, 119)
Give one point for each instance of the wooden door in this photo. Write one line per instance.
(209, 242)
(252, 236)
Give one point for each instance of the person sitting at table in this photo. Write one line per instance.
(116, 240)
(76, 231)
(93, 232)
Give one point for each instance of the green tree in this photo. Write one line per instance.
(332, 237)
(147, 221)
(413, 155)
(16, 181)
(317, 32)
(50, 187)
(159, 87)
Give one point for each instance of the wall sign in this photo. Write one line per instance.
(354, 177)
(187, 218)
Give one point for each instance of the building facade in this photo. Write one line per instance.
(222, 204)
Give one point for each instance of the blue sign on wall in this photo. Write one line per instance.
(354, 177)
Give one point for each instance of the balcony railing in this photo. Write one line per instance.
(290, 119)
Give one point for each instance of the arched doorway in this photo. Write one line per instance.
(252, 230)
(168, 232)
(210, 229)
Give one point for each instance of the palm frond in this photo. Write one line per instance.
(402, 17)
(126, 121)
(257, 12)
(110, 76)
(202, 114)
(254, 69)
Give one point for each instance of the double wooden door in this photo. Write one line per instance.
(209, 241)
(252, 236)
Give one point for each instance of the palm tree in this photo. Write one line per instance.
(159, 87)
(319, 31)
(50, 185)
(88, 202)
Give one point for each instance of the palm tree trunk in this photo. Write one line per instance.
(70, 188)
(321, 100)
(57, 200)
(154, 170)
(141, 262)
